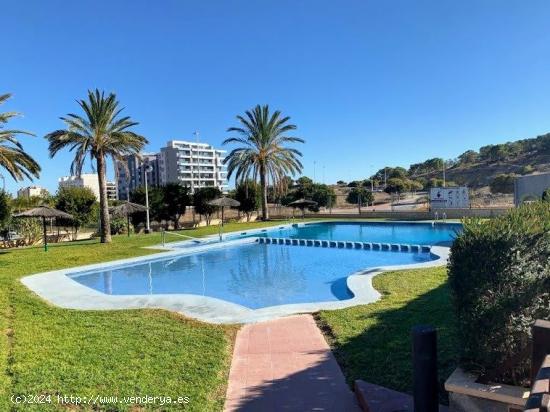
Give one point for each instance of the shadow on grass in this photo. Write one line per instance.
(381, 353)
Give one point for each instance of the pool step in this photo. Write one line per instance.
(343, 244)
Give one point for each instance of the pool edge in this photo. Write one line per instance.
(57, 288)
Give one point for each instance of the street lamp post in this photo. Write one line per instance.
(146, 170)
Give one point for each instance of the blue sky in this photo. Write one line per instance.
(369, 83)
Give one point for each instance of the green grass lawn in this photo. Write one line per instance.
(373, 342)
(45, 350)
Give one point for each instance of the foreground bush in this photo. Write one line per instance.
(500, 279)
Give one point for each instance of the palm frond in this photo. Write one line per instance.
(13, 158)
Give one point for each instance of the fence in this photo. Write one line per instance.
(539, 399)
(286, 212)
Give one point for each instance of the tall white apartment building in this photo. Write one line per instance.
(193, 164)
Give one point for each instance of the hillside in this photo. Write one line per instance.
(482, 173)
(478, 168)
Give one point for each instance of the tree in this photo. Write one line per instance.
(156, 204)
(5, 208)
(398, 186)
(433, 182)
(77, 201)
(201, 197)
(12, 156)
(324, 195)
(359, 196)
(248, 194)
(546, 195)
(263, 154)
(175, 200)
(503, 183)
(415, 185)
(468, 157)
(370, 183)
(101, 133)
(428, 166)
(304, 181)
(494, 153)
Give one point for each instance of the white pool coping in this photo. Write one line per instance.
(57, 288)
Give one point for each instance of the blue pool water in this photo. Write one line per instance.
(383, 232)
(253, 275)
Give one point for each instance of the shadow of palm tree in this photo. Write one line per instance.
(381, 351)
(378, 351)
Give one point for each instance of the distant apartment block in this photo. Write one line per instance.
(130, 173)
(31, 191)
(192, 164)
(88, 180)
(195, 165)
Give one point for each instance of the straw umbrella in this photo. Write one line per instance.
(302, 204)
(127, 209)
(224, 202)
(45, 212)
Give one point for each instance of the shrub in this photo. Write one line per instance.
(77, 201)
(248, 194)
(503, 183)
(546, 195)
(500, 279)
(119, 226)
(201, 197)
(360, 196)
(5, 208)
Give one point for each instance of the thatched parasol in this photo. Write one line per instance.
(45, 212)
(224, 202)
(302, 204)
(127, 209)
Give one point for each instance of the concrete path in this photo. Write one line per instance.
(286, 365)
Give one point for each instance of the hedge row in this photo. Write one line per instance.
(500, 278)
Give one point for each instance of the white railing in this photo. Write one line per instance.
(164, 232)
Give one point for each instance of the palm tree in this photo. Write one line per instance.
(263, 154)
(12, 156)
(99, 134)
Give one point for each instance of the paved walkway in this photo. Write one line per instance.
(286, 365)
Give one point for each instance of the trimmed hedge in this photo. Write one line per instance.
(499, 274)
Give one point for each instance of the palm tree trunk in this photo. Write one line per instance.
(105, 224)
(263, 184)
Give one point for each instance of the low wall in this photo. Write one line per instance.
(412, 215)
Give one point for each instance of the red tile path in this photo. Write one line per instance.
(286, 365)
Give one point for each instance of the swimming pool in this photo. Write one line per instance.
(256, 274)
(379, 232)
(252, 275)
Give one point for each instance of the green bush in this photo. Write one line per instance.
(500, 279)
(119, 226)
